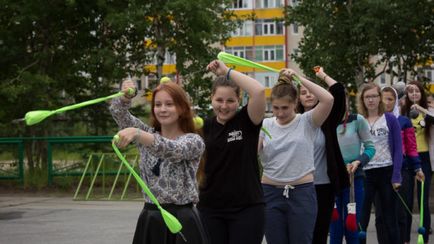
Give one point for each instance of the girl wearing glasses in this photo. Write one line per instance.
(383, 172)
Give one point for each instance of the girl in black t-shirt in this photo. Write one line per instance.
(230, 195)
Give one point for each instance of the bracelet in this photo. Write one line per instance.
(228, 73)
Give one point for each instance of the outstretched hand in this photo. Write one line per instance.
(217, 67)
(126, 136)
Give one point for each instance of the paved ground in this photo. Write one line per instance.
(54, 220)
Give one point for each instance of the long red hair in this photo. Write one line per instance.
(182, 104)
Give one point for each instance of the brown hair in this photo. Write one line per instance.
(284, 89)
(222, 81)
(405, 110)
(182, 104)
(360, 103)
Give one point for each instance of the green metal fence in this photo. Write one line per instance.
(12, 159)
(66, 156)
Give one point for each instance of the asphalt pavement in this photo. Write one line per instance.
(54, 220)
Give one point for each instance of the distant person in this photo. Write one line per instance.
(415, 108)
(383, 172)
(170, 152)
(411, 167)
(357, 150)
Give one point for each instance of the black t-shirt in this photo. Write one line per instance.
(231, 167)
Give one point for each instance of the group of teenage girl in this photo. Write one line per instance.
(242, 176)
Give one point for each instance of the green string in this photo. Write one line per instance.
(403, 203)
(420, 239)
(266, 132)
(171, 221)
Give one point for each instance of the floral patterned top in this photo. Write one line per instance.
(167, 166)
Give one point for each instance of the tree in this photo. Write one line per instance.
(343, 36)
(54, 53)
(60, 52)
(190, 30)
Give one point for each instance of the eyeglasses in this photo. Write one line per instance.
(372, 97)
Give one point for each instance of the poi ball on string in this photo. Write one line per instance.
(198, 122)
(413, 113)
(165, 79)
(421, 230)
(362, 235)
(335, 213)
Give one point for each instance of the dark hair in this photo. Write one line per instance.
(284, 89)
(347, 112)
(405, 110)
(182, 104)
(222, 81)
(300, 107)
(360, 103)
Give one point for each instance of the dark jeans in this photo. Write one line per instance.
(404, 217)
(290, 219)
(242, 225)
(325, 197)
(378, 182)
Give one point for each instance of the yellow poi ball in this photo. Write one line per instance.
(165, 79)
(198, 122)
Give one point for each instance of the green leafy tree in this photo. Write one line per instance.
(190, 30)
(55, 53)
(343, 36)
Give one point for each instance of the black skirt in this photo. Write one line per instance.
(151, 228)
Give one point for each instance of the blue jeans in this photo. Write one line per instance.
(378, 181)
(337, 228)
(290, 219)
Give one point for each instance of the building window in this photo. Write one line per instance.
(294, 3)
(269, 53)
(295, 28)
(267, 81)
(383, 79)
(243, 52)
(429, 75)
(265, 27)
(139, 84)
(269, 3)
(237, 4)
(244, 30)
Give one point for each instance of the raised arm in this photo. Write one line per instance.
(325, 99)
(337, 90)
(255, 90)
(119, 109)
(323, 76)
